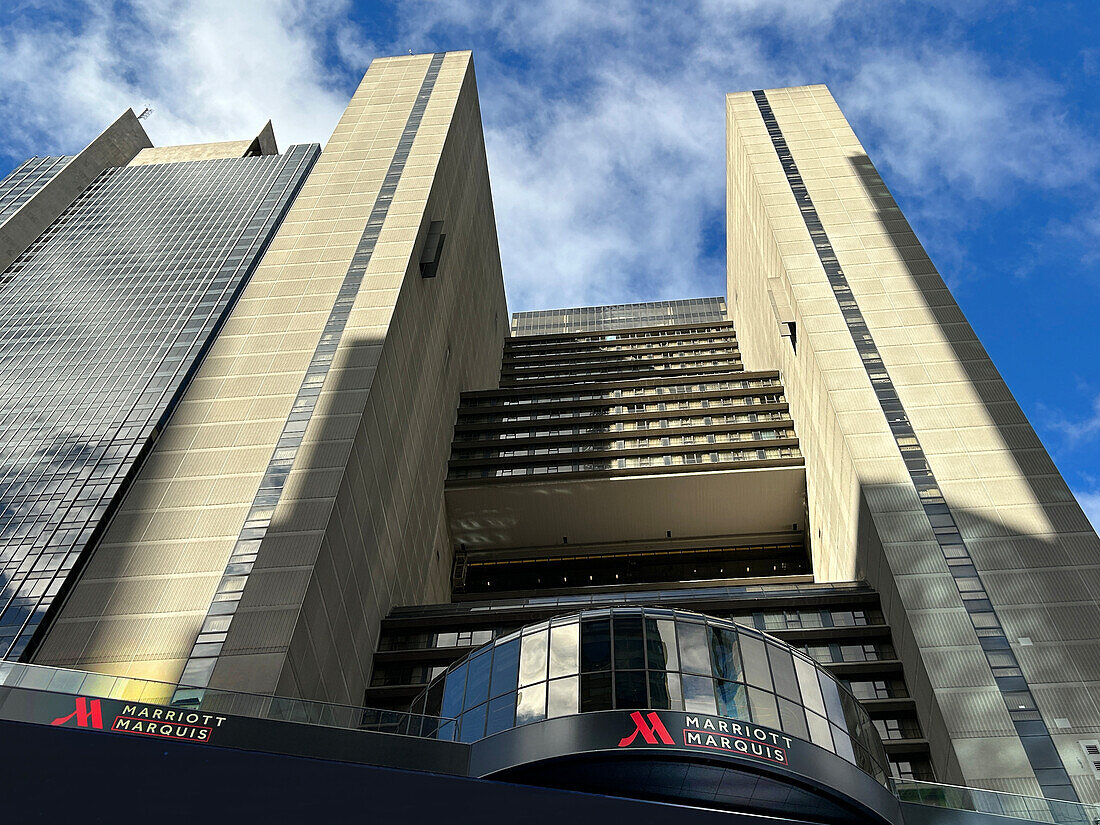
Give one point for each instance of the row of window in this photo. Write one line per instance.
(767, 416)
(621, 392)
(616, 316)
(634, 568)
(761, 620)
(501, 417)
(563, 349)
(626, 444)
(616, 371)
(625, 356)
(630, 462)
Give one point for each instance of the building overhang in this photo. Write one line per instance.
(552, 511)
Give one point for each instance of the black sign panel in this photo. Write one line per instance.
(685, 737)
(138, 719)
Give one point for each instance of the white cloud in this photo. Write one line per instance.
(945, 119)
(1074, 431)
(210, 71)
(604, 122)
(609, 197)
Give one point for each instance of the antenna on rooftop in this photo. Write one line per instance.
(145, 112)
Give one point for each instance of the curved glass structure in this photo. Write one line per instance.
(656, 658)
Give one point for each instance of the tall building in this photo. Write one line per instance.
(324, 520)
(120, 264)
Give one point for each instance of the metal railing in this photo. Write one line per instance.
(258, 706)
(998, 803)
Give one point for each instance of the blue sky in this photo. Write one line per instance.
(604, 125)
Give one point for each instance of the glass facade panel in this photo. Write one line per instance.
(595, 692)
(531, 704)
(661, 644)
(699, 694)
(562, 697)
(659, 696)
(563, 650)
(619, 316)
(764, 710)
(723, 648)
(723, 668)
(820, 734)
(793, 719)
(595, 645)
(733, 700)
(831, 694)
(629, 645)
(755, 655)
(477, 678)
(630, 689)
(501, 714)
(532, 661)
(808, 685)
(454, 692)
(505, 668)
(472, 724)
(694, 648)
(782, 667)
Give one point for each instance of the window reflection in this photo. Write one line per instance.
(531, 704)
(793, 719)
(831, 694)
(501, 715)
(661, 644)
(477, 679)
(472, 725)
(755, 658)
(699, 694)
(807, 683)
(694, 651)
(505, 668)
(563, 650)
(562, 697)
(532, 660)
(764, 711)
(723, 648)
(453, 692)
(733, 700)
(782, 668)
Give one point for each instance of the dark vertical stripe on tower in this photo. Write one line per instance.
(212, 635)
(1032, 730)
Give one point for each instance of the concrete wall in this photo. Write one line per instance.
(1031, 544)
(360, 524)
(262, 144)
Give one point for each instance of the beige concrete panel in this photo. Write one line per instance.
(190, 152)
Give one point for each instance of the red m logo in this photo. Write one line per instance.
(650, 732)
(87, 713)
